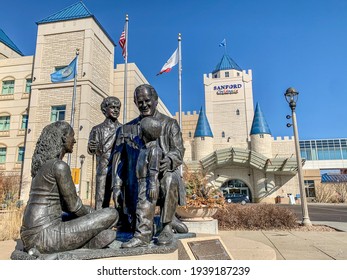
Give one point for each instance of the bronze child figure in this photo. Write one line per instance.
(147, 171)
(101, 140)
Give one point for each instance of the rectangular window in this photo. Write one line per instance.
(28, 85)
(5, 123)
(226, 74)
(58, 113)
(24, 122)
(20, 154)
(7, 87)
(310, 188)
(2, 155)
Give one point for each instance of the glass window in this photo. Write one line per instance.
(2, 155)
(223, 134)
(24, 122)
(189, 134)
(237, 112)
(226, 74)
(5, 123)
(7, 87)
(58, 113)
(310, 188)
(28, 85)
(20, 154)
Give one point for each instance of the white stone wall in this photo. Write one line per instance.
(230, 113)
(14, 105)
(202, 148)
(6, 52)
(283, 147)
(262, 143)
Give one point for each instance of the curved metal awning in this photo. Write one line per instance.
(245, 157)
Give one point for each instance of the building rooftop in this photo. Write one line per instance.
(203, 128)
(226, 63)
(72, 12)
(8, 42)
(334, 178)
(259, 125)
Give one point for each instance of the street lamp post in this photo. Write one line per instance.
(291, 96)
(82, 158)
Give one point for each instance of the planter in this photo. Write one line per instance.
(202, 213)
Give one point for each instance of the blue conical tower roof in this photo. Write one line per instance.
(203, 128)
(259, 125)
(8, 42)
(226, 63)
(75, 11)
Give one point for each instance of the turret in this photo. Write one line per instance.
(203, 137)
(261, 139)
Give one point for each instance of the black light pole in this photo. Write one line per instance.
(291, 96)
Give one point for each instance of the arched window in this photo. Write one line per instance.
(7, 87)
(237, 112)
(189, 134)
(223, 134)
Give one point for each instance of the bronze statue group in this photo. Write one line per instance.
(137, 167)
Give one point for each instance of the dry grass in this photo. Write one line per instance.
(10, 223)
(11, 215)
(255, 217)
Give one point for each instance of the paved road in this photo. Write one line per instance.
(322, 212)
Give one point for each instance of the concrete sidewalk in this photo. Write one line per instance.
(269, 245)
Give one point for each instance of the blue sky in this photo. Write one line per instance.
(287, 43)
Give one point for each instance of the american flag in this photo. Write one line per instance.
(121, 42)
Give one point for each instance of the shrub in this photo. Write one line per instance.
(11, 216)
(255, 217)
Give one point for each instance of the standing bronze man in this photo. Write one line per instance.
(101, 140)
(128, 145)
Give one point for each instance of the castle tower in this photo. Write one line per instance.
(203, 137)
(229, 103)
(261, 139)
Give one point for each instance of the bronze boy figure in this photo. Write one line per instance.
(101, 140)
(147, 171)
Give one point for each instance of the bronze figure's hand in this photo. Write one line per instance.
(165, 164)
(116, 195)
(152, 193)
(93, 146)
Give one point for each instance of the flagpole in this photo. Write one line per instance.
(72, 117)
(180, 88)
(125, 70)
(179, 81)
(225, 46)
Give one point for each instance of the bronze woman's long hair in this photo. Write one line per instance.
(49, 145)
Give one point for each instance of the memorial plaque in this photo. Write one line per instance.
(211, 249)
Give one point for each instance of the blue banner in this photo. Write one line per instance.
(66, 73)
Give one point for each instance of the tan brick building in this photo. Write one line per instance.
(233, 143)
(27, 90)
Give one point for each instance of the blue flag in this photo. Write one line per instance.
(223, 43)
(65, 74)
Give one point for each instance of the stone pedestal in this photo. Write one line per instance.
(209, 226)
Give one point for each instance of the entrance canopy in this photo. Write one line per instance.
(245, 157)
